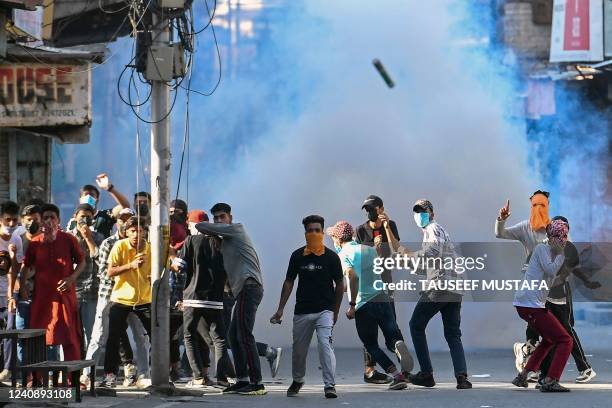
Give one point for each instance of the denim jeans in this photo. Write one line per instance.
(368, 318)
(22, 321)
(424, 310)
(87, 310)
(242, 341)
(7, 344)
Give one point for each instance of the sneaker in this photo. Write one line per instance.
(406, 360)
(463, 383)
(533, 376)
(423, 379)
(539, 384)
(274, 360)
(233, 389)
(294, 389)
(520, 381)
(201, 382)
(586, 376)
(377, 378)
(84, 379)
(522, 351)
(518, 356)
(253, 389)
(330, 392)
(398, 383)
(131, 375)
(553, 387)
(109, 381)
(223, 383)
(5, 375)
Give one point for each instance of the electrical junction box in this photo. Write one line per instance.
(172, 4)
(160, 63)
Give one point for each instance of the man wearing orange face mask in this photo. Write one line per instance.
(530, 233)
(318, 298)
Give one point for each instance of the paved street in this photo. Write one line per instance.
(490, 371)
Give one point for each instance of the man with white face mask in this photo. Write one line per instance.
(103, 221)
(11, 244)
(436, 244)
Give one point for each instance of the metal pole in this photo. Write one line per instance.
(160, 171)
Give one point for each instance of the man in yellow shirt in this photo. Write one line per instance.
(130, 266)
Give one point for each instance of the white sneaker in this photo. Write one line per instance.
(406, 360)
(84, 379)
(5, 375)
(586, 376)
(522, 351)
(131, 377)
(533, 376)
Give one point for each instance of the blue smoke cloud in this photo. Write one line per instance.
(302, 123)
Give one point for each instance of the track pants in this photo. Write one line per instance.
(554, 336)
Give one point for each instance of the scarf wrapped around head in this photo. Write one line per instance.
(557, 232)
(539, 218)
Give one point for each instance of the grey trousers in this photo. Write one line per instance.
(304, 327)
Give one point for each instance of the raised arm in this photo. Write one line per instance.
(104, 183)
(222, 230)
(545, 260)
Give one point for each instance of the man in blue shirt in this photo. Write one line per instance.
(370, 307)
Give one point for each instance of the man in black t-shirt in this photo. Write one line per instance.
(318, 298)
(559, 302)
(366, 234)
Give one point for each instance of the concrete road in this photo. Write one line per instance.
(490, 372)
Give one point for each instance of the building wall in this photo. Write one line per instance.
(522, 34)
(31, 166)
(4, 167)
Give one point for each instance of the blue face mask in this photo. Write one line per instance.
(88, 199)
(422, 219)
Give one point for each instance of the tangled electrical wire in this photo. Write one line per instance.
(182, 32)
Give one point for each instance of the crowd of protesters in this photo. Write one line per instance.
(89, 286)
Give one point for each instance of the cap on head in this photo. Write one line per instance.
(372, 201)
(422, 205)
(196, 216)
(341, 230)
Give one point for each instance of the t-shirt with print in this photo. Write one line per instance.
(360, 258)
(317, 274)
(4, 245)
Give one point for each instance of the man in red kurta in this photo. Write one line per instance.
(53, 255)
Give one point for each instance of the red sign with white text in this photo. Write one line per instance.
(577, 36)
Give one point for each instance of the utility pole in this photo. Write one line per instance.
(160, 175)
